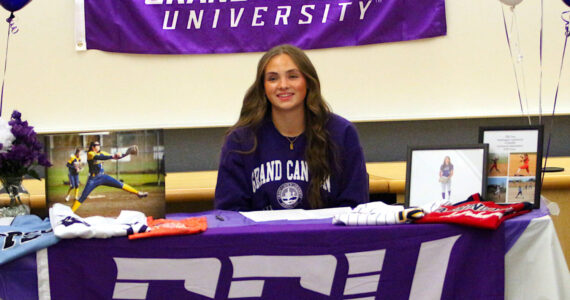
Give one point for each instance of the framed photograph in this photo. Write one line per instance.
(514, 167)
(445, 172)
(103, 173)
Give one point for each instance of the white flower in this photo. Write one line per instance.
(6, 136)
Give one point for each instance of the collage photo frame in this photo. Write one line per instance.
(514, 167)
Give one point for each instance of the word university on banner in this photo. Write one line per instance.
(229, 26)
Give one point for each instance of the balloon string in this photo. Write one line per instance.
(515, 29)
(513, 62)
(13, 29)
(540, 80)
(567, 33)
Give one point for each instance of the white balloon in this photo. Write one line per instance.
(511, 2)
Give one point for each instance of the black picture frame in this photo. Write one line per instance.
(422, 188)
(520, 148)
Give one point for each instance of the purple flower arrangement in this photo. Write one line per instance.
(20, 149)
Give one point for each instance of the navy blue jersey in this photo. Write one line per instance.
(94, 161)
(73, 165)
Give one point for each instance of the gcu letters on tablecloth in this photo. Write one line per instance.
(287, 261)
(316, 272)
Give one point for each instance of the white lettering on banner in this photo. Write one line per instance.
(172, 25)
(363, 263)
(257, 16)
(260, 13)
(200, 275)
(431, 268)
(159, 2)
(192, 19)
(306, 14)
(215, 22)
(316, 272)
(343, 10)
(235, 21)
(326, 13)
(363, 8)
(281, 15)
(246, 289)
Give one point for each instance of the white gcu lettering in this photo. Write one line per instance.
(316, 272)
(363, 263)
(431, 268)
(200, 275)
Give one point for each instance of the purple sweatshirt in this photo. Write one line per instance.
(276, 177)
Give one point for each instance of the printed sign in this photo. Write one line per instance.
(228, 26)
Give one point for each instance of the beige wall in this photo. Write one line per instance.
(466, 73)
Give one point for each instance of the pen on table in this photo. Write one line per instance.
(219, 217)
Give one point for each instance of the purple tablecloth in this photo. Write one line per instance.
(237, 258)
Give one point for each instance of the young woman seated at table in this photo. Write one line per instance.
(287, 150)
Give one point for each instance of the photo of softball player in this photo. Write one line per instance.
(74, 166)
(497, 189)
(498, 164)
(97, 176)
(521, 189)
(121, 171)
(522, 164)
(445, 174)
(449, 174)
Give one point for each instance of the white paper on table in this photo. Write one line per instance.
(293, 214)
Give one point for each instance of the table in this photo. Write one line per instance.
(237, 258)
(194, 191)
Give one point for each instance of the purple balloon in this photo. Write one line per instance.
(14, 5)
(567, 2)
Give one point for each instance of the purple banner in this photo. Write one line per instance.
(285, 260)
(227, 26)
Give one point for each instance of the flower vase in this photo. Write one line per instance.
(14, 198)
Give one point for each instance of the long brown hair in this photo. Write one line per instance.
(320, 150)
